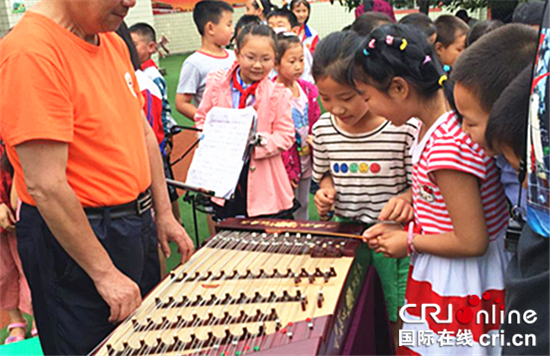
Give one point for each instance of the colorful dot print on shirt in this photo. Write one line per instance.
(344, 168)
(355, 168)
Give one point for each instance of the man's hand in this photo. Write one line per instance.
(324, 200)
(120, 293)
(7, 220)
(168, 229)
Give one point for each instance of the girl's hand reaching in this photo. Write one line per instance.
(389, 239)
(309, 140)
(397, 209)
(324, 200)
(7, 220)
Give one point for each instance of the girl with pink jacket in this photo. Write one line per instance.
(264, 188)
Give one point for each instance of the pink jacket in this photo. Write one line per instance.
(269, 189)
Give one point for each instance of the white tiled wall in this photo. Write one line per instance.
(142, 12)
(184, 37)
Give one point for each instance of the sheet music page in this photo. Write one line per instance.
(218, 161)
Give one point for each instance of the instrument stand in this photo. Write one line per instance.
(192, 194)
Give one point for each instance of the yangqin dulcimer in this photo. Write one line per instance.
(264, 287)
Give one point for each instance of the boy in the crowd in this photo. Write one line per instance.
(451, 38)
(529, 13)
(423, 23)
(214, 21)
(366, 23)
(145, 40)
(527, 275)
(481, 74)
(285, 20)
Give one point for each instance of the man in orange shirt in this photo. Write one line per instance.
(86, 165)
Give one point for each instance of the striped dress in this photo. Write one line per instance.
(444, 281)
(367, 169)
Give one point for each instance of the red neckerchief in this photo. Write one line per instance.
(147, 64)
(245, 93)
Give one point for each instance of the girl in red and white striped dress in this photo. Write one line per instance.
(455, 239)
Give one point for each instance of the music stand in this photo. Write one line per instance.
(253, 140)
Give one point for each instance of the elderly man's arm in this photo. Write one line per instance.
(44, 166)
(168, 228)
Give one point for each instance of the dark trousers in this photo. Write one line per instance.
(71, 316)
(527, 288)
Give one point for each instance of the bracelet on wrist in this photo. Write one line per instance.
(410, 239)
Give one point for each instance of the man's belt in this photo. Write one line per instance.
(143, 203)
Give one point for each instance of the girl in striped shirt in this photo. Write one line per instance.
(455, 239)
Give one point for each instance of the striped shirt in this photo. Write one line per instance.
(457, 281)
(367, 169)
(446, 146)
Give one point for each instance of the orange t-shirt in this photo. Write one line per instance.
(55, 86)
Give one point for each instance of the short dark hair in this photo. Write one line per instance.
(284, 41)
(529, 13)
(334, 56)
(421, 21)
(266, 6)
(491, 63)
(256, 30)
(124, 33)
(399, 50)
(295, 3)
(448, 27)
(481, 28)
(463, 15)
(289, 15)
(367, 22)
(206, 11)
(145, 30)
(245, 20)
(507, 123)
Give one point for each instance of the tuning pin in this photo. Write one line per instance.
(320, 299)
(277, 324)
(297, 278)
(141, 342)
(326, 275)
(110, 349)
(309, 323)
(134, 321)
(125, 344)
(289, 334)
(172, 274)
(298, 235)
(159, 340)
(311, 278)
(303, 302)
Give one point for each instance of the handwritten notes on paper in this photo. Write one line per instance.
(218, 161)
